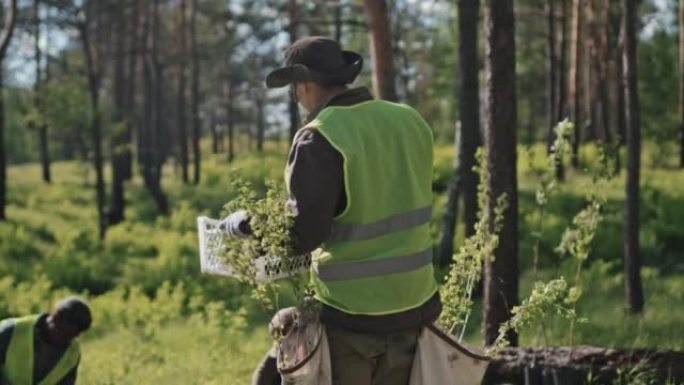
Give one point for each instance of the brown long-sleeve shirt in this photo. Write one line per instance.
(317, 196)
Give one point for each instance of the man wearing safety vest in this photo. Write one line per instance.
(359, 175)
(41, 349)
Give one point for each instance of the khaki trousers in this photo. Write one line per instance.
(371, 359)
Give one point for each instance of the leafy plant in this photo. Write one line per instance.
(555, 297)
(466, 268)
(270, 221)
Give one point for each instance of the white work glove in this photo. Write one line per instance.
(236, 225)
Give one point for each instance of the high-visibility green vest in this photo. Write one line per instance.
(378, 259)
(18, 369)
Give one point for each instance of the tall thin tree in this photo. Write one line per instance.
(195, 92)
(229, 97)
(292, 29)
(621, 132)
(576, 78)
(84, 18)
(681, 82)
(384, 73)
(561, 108)
(551, 67)
(181, 119)
(464, 179)
(5, 38)
(261, 119)
(501, 274)
(151, 157)
(134, 48)
(562, 92)
(633, 291)
(118, 141)
(38, 96)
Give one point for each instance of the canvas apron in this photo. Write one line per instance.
(304, 359)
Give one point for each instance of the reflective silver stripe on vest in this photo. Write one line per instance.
(366, 269)
(398, 222)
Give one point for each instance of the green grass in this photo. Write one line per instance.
(180, 353)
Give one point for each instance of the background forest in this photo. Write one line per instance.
(121, 121)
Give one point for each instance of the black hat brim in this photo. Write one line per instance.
(283, 76)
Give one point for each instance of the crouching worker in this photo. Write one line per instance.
(41, 349)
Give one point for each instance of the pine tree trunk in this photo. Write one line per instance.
(575, 78)
(134, 48)
(561, 92)
(38, 90)
(681, 82)
(501, 274)
(446, 245)
(551, 64)
(151, 158)
(338, 21)
(261, 121)
(381, 49)
(605, 71)
(10, 14)
(118, 144)
(633, 291)
(230, 117)
(3, 157)
(465, 180)
(620, 129)
(194, 93)
(180, 97)
(292, 106)
(95, 123)
(214, 134)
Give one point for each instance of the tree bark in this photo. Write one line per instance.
(551, 63)
(3, 160)
(621, 133)
(261, 121)
(575, 78)
(604, 94)
(633, 291)
(562, 92)
(681, 83)
(6, 34)
(194, 93)
(119, 144)
(228, 93)
(293, 26)
(465, 180)
(95, 123)
(338, 21)
(555, 83)
(180, 97)
(151, 158)
(380, 38)
(214, 134)
(38, 91)
(501, 274)
(446, 245)
(135, 46)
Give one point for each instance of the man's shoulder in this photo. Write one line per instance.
(7, 325)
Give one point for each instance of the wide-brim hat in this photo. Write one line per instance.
(316, 59)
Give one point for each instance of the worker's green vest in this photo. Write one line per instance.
(18, 369)
(378, 259)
